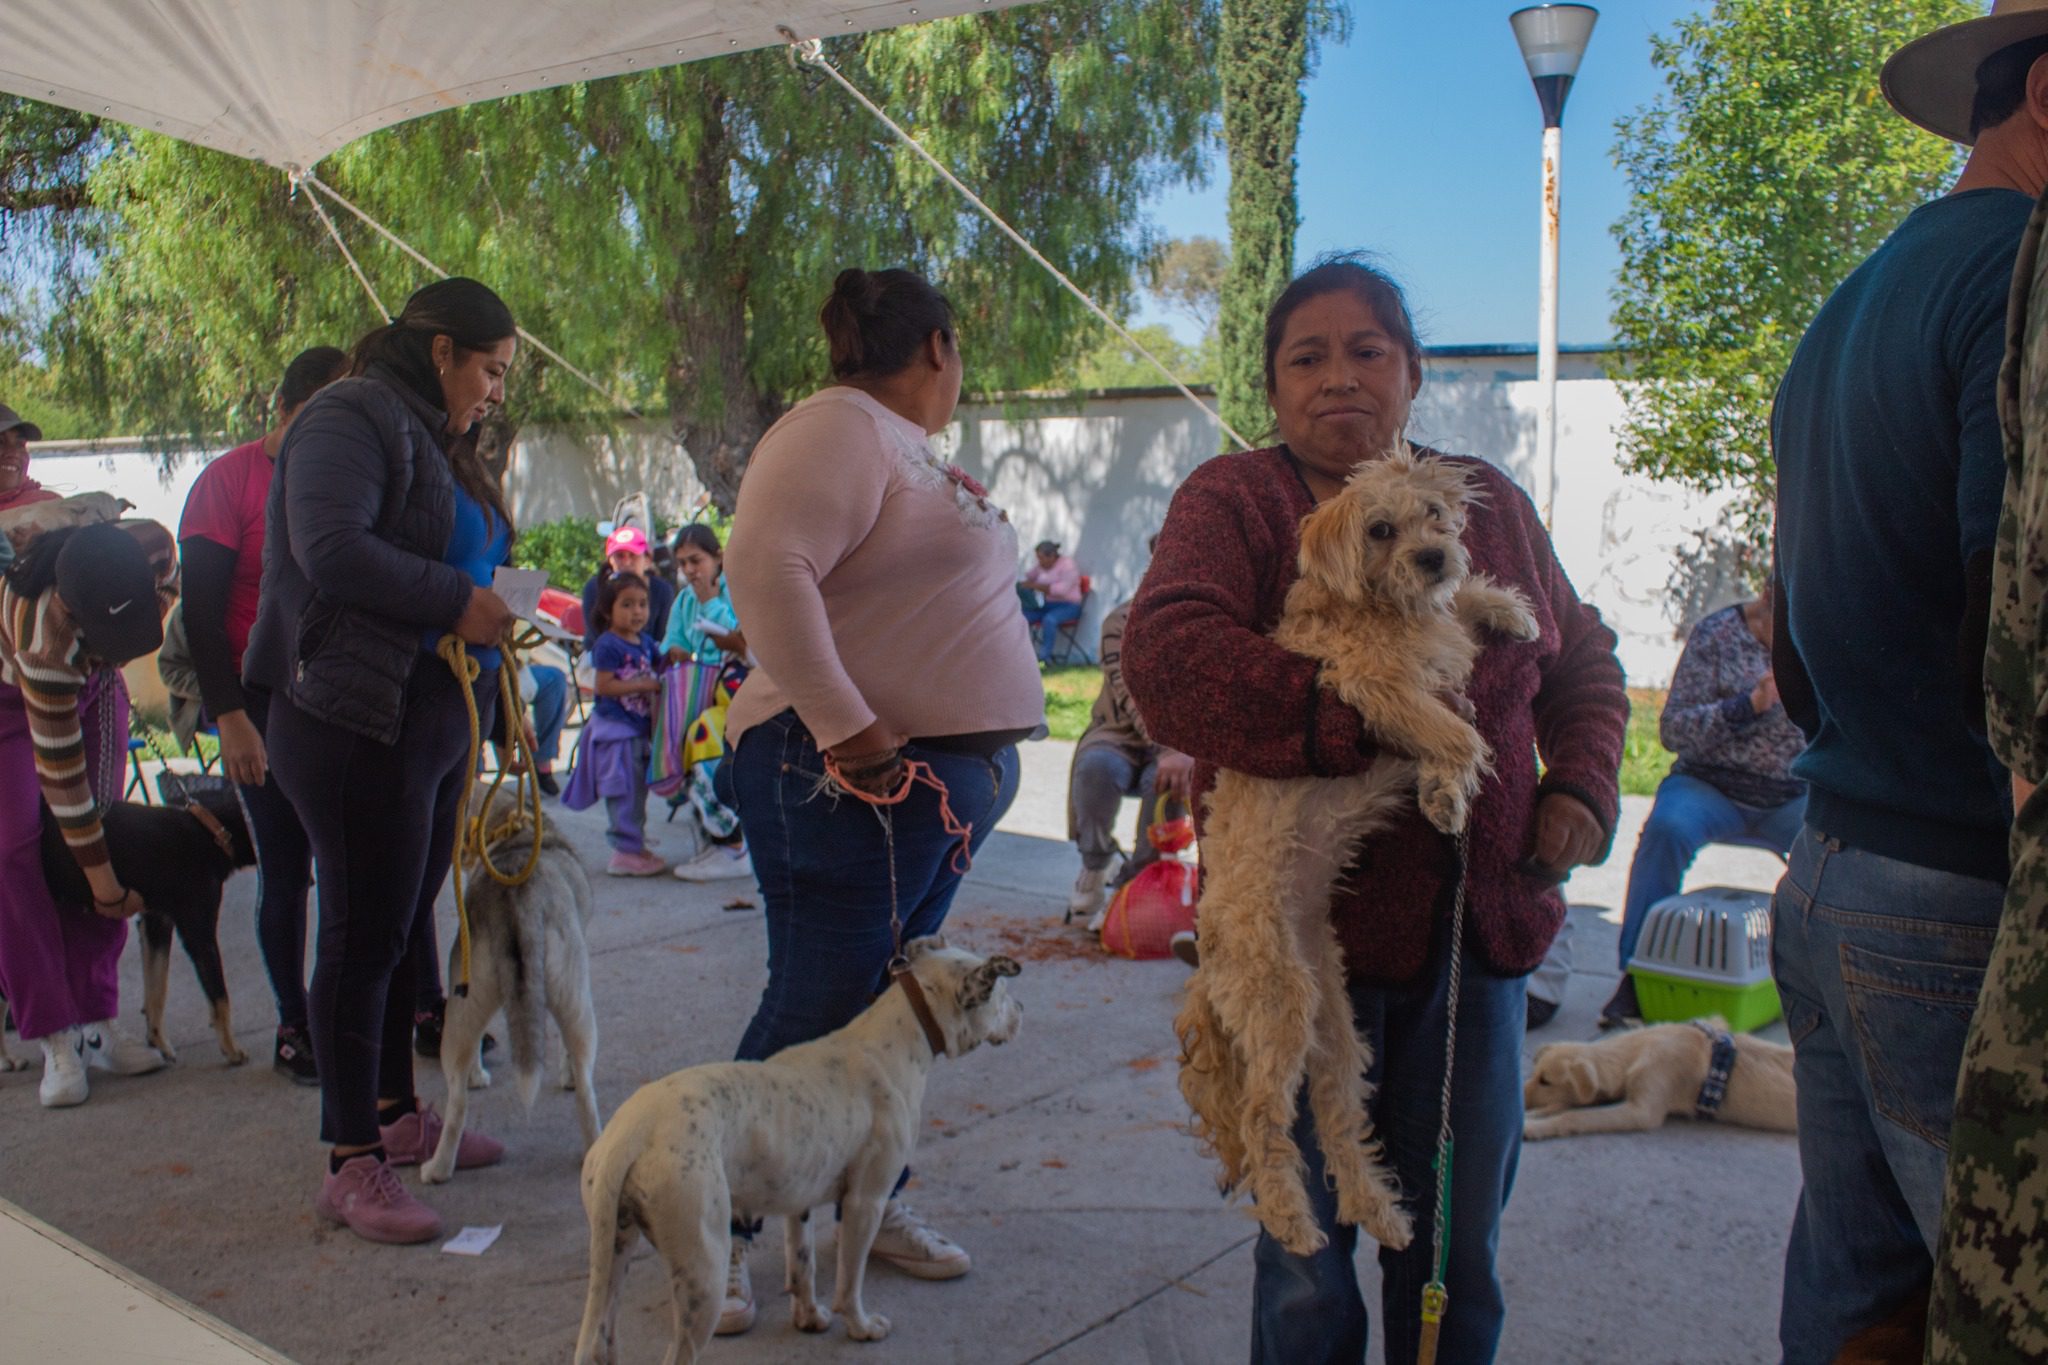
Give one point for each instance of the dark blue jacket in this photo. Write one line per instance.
(361, 510)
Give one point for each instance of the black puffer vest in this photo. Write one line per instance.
(362, 506)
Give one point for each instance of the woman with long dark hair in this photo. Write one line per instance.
(385, 528)
(878, 587)
(220, 546)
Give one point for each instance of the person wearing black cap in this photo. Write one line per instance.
(76, 605)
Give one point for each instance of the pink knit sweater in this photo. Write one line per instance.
(875, 582)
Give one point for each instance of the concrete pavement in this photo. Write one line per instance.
(1058, 1161)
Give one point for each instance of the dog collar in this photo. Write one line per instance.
(1720, 1066)
(913, 991)
(213, 827)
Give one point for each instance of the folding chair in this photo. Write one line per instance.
(135, 778)
(1066, 643)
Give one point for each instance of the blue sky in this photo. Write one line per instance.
(1421, 140)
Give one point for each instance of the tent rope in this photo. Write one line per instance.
(307, 178)
(298, 179)
(812, 51)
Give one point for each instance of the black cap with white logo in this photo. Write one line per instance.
(109, 586)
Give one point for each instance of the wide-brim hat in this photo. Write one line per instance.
(10, 419)
(1932, 81)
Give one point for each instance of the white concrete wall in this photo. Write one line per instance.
(1096, 474)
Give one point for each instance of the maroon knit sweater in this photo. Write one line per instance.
(1209, 683)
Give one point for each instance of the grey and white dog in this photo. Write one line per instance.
(528, 957)
(831, 1119)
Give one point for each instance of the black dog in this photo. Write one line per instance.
(177, 858)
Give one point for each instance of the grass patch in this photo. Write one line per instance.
(1070, 692)
(1644, 759)
(1069, 696)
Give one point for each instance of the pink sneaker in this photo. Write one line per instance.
(413, 1139)
(367, 1197)
(641, 864)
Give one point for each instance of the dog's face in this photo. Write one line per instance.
(982, 1008)
(1563, 1078)
(1391, 535)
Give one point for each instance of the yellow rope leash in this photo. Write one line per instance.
(473, 836)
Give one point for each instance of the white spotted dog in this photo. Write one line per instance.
(832, 1119)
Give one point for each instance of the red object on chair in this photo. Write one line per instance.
(1068, 642)
(563, 608)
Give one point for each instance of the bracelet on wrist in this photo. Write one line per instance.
(121, 899)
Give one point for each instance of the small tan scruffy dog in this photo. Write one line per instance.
(1387, 602)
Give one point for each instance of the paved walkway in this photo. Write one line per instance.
(1058, 1161)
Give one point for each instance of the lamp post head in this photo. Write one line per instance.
(1553, 39)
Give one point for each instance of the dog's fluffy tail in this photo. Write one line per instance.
(526, 1003)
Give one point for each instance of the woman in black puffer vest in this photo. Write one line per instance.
(383, 530)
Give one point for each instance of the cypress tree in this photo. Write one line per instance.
(1262, 58)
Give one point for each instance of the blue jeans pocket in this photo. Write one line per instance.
(1911, 1020)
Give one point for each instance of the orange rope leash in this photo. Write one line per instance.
(916, 771)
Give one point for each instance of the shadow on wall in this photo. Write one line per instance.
(555, 474)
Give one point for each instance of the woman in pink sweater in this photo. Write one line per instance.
(878, 587)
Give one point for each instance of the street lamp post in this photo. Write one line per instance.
(1553, 39)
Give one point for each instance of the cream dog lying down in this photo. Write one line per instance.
(833, 1119)
(1640, 1077)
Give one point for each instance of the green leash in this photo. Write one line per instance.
(1435, 1297)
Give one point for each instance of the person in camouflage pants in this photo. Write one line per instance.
(1990, 1297)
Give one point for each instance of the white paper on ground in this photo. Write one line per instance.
(472, 1241)
(520, 588)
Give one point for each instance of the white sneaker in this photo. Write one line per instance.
(1090, 895)
(63, 1070)
(717, 863)
(107, 1050)
(736, 1315)
(914, 1247)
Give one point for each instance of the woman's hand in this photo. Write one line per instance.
(1175, 777)
(871, 761)
(731, 641)
(485, 620)
(677, 655)
(1568, 835)
(112, 900)
(241, 749)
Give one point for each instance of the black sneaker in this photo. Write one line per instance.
(294, 1057)
(426, 1034)
(1621, 1008)
(1541, 1011)
(548, 785)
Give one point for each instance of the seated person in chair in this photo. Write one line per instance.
(1114, 759)
(1733, 779)
(1058, 581)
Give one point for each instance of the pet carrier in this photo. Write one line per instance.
(1707, 952)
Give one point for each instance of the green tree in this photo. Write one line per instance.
(1115, 364)
(1769, 167)
(1266, 49)
(1187, 274)
(673, 232)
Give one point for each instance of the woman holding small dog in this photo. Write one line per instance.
(878, 587)
(384, 528)
(79, 602)
(1342, 368)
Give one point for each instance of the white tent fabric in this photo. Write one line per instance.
(288, 81)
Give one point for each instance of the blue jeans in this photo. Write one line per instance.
(1687, 815)
(1048, 617)
(550, 712)
(1307, 1310)
(1879, 963)
(823, 868)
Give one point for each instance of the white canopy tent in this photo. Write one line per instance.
(288, 81)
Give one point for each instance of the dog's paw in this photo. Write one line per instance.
(9, 1062)
(435, 1171)
(1443, 801)
(237, 1057)
(479, 1079)
(1391, 1227)
(1519, 624)
(1535, 1130)
(871, 1328)
(1297, 1232)
(810, 1316)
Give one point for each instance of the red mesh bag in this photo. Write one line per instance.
(1160, 901)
